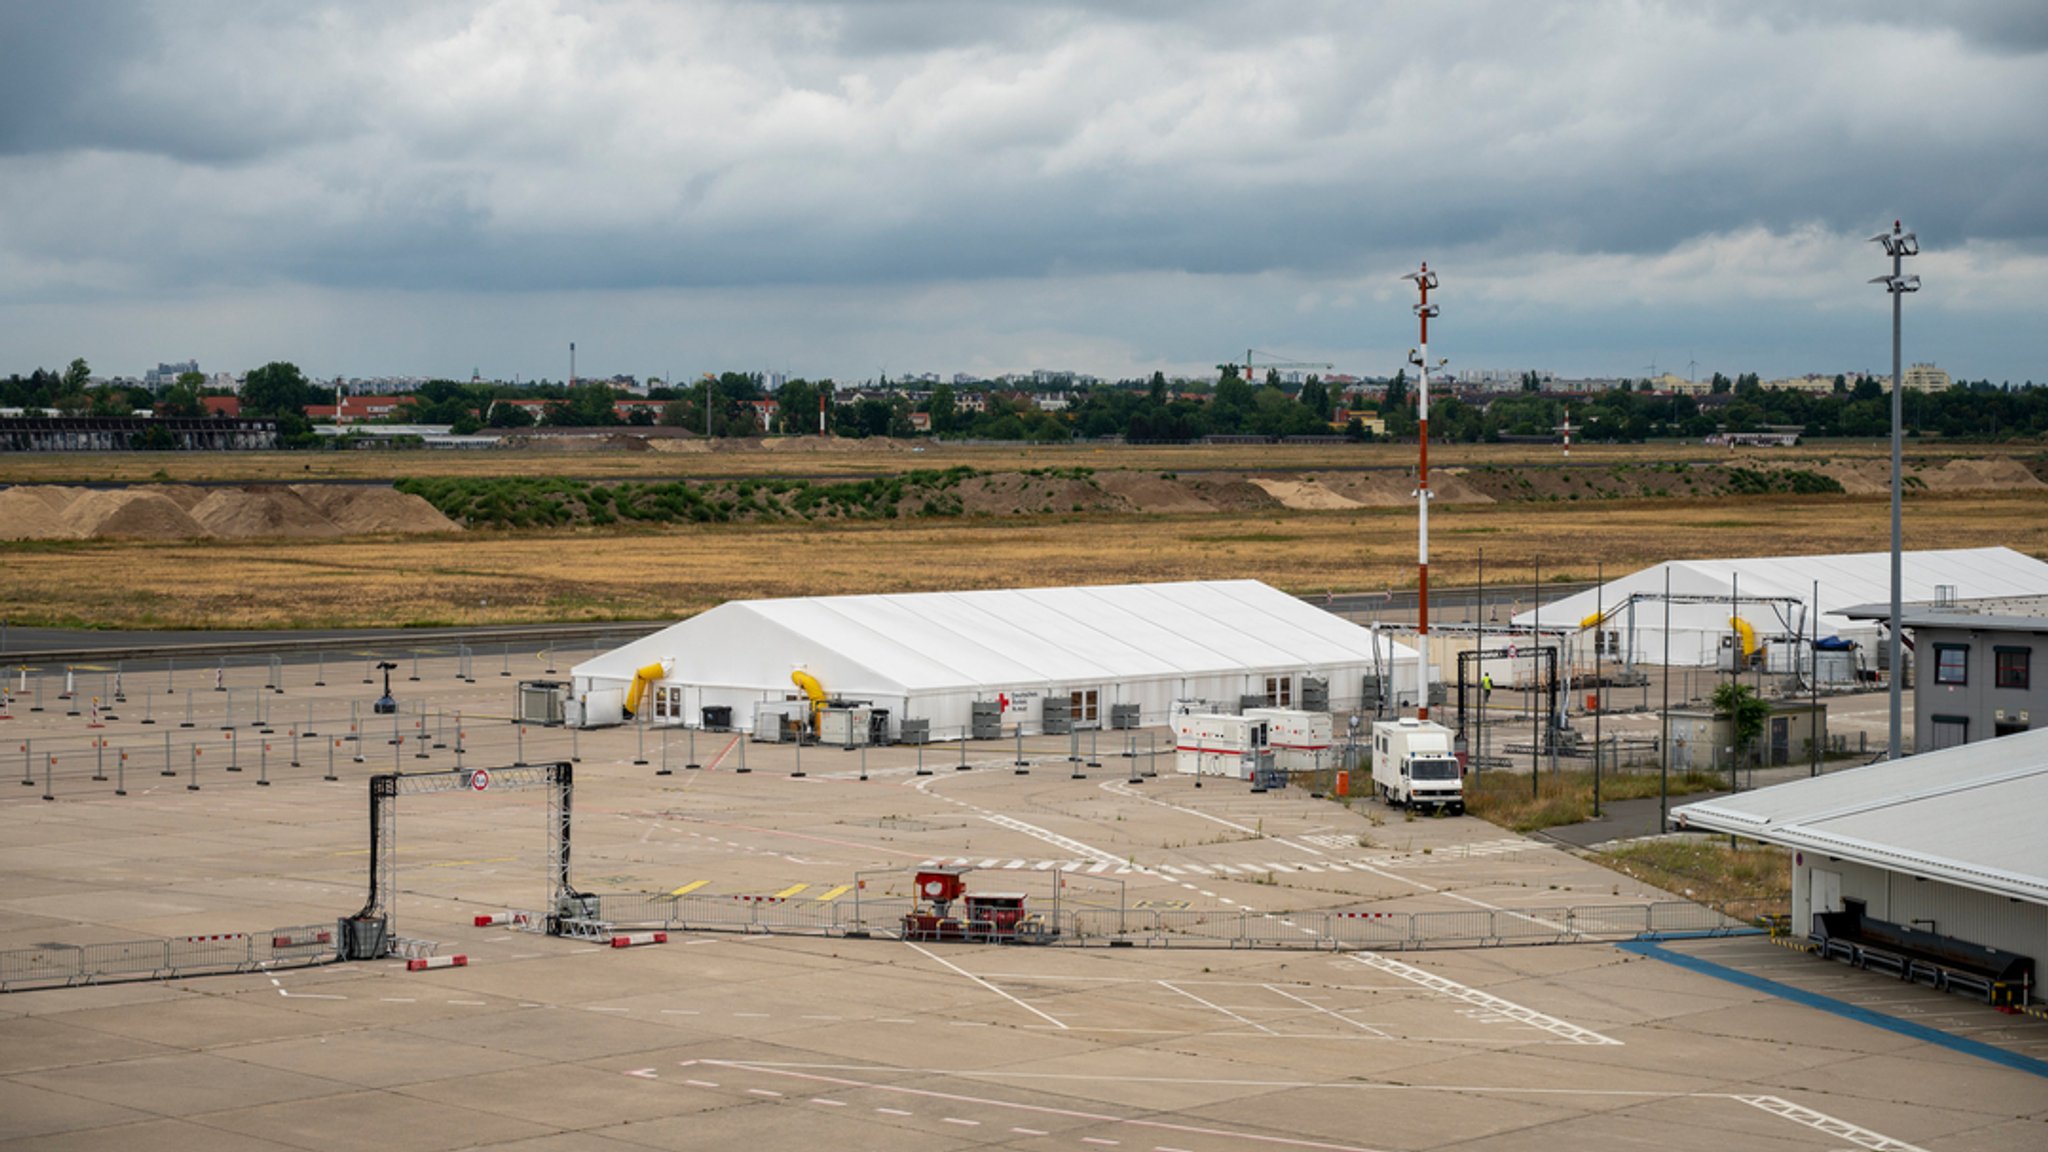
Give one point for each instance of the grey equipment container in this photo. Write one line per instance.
(1058, 716)
(987, 720)
(1123, 716)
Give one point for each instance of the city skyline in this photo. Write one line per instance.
(844, 190)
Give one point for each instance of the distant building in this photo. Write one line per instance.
(165, 375)
(356, 409)
(1925, 378)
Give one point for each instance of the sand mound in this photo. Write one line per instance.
(134, 514)
(2001, 474)
(1151, 492)
(1232, 495)
(356, 510)
(1013, 492)
(245, 512)
(676, 445)
(1305, 494)
(36, 512)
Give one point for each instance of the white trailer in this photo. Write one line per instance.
(1212, 744)
(1413, 765)
(1300, 740)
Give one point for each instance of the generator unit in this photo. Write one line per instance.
(1214, 744)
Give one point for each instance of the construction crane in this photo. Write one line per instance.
(1255, 359)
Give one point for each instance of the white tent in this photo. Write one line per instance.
(1776, 598)
(931, 655)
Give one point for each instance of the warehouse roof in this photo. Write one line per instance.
(1846, 580)
(1967, 815)
(1015, 636)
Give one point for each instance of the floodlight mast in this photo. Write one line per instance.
(1424, 281)
(1898, 244)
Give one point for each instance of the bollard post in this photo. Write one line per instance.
(168, 769)
(121, 773)
(234, 752)
(692, 765)
(263, 765)
(332, 744)
(295, 747)
(99, 760)
(188, 709)
(1022, 766)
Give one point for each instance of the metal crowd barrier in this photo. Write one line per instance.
(159, 958)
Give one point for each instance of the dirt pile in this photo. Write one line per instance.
(193, 512)
(1869, 477)
(1304, 494)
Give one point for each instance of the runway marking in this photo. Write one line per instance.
(792, 890)
(835, 893)
(1822, 1122)
(1047, 1017)
(692, 886)
(1041, 1109)
(1171, 987)
(1327, 1012)
(1487, 1000)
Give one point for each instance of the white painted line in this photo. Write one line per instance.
(1212, 1005)
(1029, 1131)
(959, 1121)
(828, 1103)
(680, 1012)
(1101, 1141)
(1047, 1017)
(752, 1015)
(1484, 1000)
(764, 1092)
(1822, 1122)
(1327, 1012)
(894, 1112)
(702, 1083)
(469, 1003)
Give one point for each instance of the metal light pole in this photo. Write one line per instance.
(1424, 281)
(572, 363)
(1898, 244)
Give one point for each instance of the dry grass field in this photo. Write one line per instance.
(659, 573)
(689, 458)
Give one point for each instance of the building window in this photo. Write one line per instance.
(1084, 706)
(2010, 666)
(1947, 732)
(661, 703)
(1279, 691)
(1951, 663)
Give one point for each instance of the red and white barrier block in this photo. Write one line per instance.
(424, 963)
(486, 921)
(636, 939)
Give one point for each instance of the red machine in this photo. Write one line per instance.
(989, 917)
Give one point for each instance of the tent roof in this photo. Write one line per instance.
(1846, 580)
(1016, 636)
(1968, 815)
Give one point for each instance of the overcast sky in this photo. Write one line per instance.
(846, 188)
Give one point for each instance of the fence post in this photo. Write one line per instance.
(277, 674)
(415, 677)
(1023, 766)
(188, 709)
(799, 756)
(519, 758)
(505, 669)
(48, 770)
(192, 783)
(640, 738)
(295, 747)
(331, 744)
(234, 752)
(229, 722)
(28, 775)
(320, 669)
(575, 741)
(1094, 761)
(743, 769)
(663, 770)
(355, 713)
(692, 764)
(99, 760)
(263, 765)
(965, 732)
(121, 773)
(148, 706)
(309, 719)
(168, 770)
(863, 762)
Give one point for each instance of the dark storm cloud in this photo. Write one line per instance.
(1643, 150)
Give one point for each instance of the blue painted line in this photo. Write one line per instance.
(1847, 1011)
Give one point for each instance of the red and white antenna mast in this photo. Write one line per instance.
(1424, 281)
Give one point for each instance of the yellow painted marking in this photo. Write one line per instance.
(836, 893)
(692, 886)
(792, 890)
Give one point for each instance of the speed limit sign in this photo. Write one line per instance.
(479, 780)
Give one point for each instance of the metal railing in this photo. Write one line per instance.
(294, 946)
(1197, 928)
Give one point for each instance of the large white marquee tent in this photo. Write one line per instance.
(930, 656)
(1777, 598)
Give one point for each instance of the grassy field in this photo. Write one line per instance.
(869, 458)
(1746, 880)
(665, 572)
(1560, 798)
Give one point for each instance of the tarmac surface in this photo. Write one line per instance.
(738, 1039)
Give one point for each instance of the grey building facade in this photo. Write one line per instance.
(1977, 676)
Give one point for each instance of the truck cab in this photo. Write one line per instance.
(1413, 766)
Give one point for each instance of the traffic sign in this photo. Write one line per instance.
(480, 780)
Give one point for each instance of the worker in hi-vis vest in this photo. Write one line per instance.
(1485, 687)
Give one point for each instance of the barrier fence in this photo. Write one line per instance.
(295, 946)
(1220, 928)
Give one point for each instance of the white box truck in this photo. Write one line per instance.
(1300, 740)
(1413, 766)
(1212, 744)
